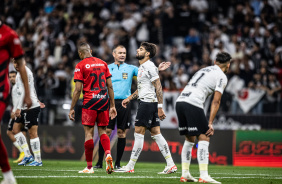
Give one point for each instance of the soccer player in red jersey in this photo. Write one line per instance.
(93, 76)
(10, 47)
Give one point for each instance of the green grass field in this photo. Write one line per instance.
(65, 172)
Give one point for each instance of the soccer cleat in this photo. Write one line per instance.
(26, 160)
(125, 169)
(35, 163)
(169, 170)
(21, 156)
(109, 164)
(117, 167)
(87, 171)
(8, 181)
(188, 178)
(207, 179)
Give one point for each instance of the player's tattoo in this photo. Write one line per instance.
(134, 95)
(159, 91)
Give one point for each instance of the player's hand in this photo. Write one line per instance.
(13, 115)
(210, 131)
(113, 113)
(161, 114)
(71, 115)
(125, 102)
(164, 65)
(42, 105)
(27, 101)
(18, 113)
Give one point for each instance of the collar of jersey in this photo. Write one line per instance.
(145, 62)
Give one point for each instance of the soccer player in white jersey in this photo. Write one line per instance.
(30, 119)
(12, 79)
(191, 117)
(150, 111)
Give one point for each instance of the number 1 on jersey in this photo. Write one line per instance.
(195, 83)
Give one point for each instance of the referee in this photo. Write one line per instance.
(122, 75)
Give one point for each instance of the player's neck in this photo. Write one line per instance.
(87, 56)
(143, 60)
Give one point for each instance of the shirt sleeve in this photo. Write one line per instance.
(221, 84)
(78, 74)
(107, 74)
(21, 94)
(135, 71)
(152, 73)
(15, 47)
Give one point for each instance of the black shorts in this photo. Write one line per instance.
(29, 117)
(192, 120)
(11, 124)
(123, 117)
(147, 115)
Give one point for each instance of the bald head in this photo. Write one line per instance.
(84, 50)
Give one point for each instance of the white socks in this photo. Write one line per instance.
(186, 157)
(9, 176)
(16, 144)
(203, 157)
(23, 144)
(35, 146)
(137, 148)
(163, 146)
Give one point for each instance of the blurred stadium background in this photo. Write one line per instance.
(189, 33)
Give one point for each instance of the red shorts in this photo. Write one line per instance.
(3, 106)
(89, 117)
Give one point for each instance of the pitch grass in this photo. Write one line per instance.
(65, 172)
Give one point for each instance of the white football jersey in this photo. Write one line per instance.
(147, 73)
(20, 90)
(14, 97)
(203, 83)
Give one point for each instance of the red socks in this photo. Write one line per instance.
(4, 164)
(89, 146)
(105, 141)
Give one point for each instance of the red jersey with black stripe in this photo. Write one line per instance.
(10, 47)
(93, 73)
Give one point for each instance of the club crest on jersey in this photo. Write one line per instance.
(124, 75)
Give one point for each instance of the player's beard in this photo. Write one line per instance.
(139, 57)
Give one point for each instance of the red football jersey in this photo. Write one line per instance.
(10, 47)
(93, 73)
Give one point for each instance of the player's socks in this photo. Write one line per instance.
(35, 147)
(23, 143)
(186, 157)
(16, 144)
(105, 141)
(89, 147)
(4, 164)
(101, 154)
(163, 146)
(137, 148)
(203, 157)
(120, 149)
(9, 177)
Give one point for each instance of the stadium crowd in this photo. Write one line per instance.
(187, 33)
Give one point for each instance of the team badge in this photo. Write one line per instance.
(124, 75)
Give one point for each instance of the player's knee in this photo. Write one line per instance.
(109, 132)
(121, 133)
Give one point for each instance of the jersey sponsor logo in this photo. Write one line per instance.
(124, 75)
(87, 66)
(17, 41)
(92, 65)
(182, 128)
(220, 83)
(98, 96)
(77, 70)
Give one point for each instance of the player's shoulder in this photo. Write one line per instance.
(112, 65)
(149, 65)
(99, 60)
(9, 31)
(131, 66)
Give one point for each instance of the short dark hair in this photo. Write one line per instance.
(13, 72)
(121, 46)
(150, 47)
(223, 57)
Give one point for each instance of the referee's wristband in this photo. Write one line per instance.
(160, 105)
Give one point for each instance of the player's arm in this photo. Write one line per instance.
(113, 112)
(128, 99)
(75, 97)
(22, 70)
(159, 92)
(214, 108)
